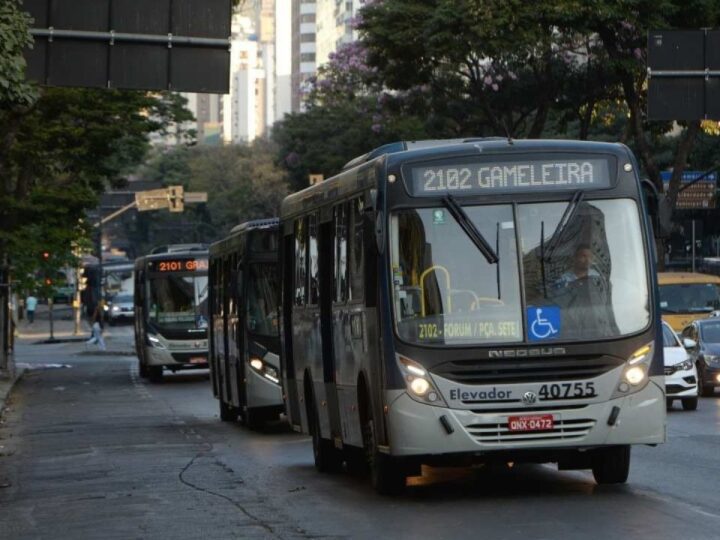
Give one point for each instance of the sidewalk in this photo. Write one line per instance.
(119, 342)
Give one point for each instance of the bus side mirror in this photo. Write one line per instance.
(658, 208)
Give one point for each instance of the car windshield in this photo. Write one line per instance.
(669, 337)
(593, 285)
(178, 301)
(689, 298)
(710, 332)
(124, 299)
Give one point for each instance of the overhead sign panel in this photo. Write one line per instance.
(684, 74)
(180, 45)
(698, 189)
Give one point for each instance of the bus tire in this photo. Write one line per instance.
(327, 457)
(611, 465)
(690, 404)
(253, 420)
(155, 373)
(228, 413)
(386, 473)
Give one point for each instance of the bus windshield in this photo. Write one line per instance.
(178, 302)
(262, 300)
(592, 284)
(689, 298)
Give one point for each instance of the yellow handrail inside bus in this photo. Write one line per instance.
(422, 287)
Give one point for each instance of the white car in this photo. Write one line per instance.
(120, 308)
(680, 372)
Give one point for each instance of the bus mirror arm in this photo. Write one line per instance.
(658, 208)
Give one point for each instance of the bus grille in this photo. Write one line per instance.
(499, 433)
(534, 370)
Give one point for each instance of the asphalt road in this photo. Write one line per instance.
(92, 451)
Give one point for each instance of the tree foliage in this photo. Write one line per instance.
(242, 183)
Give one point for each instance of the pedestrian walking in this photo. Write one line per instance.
(30, 305)
(97, 328)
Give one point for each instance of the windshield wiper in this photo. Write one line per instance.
(567, 217)
(470, 229)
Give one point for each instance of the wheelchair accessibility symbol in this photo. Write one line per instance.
(543, 322)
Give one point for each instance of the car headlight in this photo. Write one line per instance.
(712, 360)
(418, 383)
(115, 309)
(684, 366)
(264, 369)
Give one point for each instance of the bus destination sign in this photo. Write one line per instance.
(478, 178)
(179, 265)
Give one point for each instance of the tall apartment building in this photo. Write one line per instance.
(282, 72)
(334, 26)
(303, 48)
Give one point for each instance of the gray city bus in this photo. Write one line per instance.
(171, 316)
(482, 300)
(244, 328)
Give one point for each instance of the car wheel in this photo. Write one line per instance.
(690, 404)
(704, 389)
(611, 465)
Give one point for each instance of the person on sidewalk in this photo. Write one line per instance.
(97, 328)
(30, 305)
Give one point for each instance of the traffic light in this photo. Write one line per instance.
(176, 199)
(48, 281)
(45, 256)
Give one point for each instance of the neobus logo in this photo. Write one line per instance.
(522, 353)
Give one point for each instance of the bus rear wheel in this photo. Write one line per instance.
(611, 465)
(386, 473)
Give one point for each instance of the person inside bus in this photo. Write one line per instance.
(581, 267)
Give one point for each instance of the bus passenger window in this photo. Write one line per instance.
(341, 266)
(300, 261)
(313, 259)
(357, 263)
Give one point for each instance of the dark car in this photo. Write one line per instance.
(705, 333)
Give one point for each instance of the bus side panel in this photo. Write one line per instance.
(212, 349)
(236, 349)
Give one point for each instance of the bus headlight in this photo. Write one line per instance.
(155, 342)
(419, 384)
(264, 369)
(635, 374)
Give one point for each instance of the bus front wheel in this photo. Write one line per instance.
(327, 457)
(228, 413)
(386, 472)
(611, 465)
(155, 373)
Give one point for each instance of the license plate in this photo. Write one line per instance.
(538, 422)
(198, 360)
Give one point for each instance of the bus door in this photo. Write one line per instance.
(347, 324)
(327, 296)
(238, 331)
(287, 264)
(223, 330)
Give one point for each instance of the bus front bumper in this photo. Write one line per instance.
(416, 429)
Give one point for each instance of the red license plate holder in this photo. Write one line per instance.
(534, 422)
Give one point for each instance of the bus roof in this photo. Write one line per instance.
(267, 224)
(359, 173)
(679, 278)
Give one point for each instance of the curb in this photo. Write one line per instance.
(6, 386)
